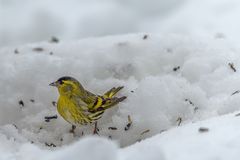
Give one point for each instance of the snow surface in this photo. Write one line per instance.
(28, 21)
(183, 92)
(167, 78)
(221, 142)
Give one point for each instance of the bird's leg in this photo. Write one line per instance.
(72, 130)
(95, 131)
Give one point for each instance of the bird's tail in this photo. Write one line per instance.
(112, 92)
(113, 101)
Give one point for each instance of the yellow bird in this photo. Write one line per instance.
(81, 107)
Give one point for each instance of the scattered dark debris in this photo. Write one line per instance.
(32, 142)
(179, 120)
(54, 40)
(38, 49)
(196, 109)
(129, 123)
(176, 68)
(50, 145)
(203, 129)
(15, 126)
(231, 65)
(112, 128)
(54, 103)
(40, 128)
(162, 130)
(169, 50)
(238, 114)
(120, 44)
(51, 53)
(190, 102)
(145, 36)
(21, 103)
(219, 36)
(146, 131)
(110, 137)
(132, 91)
(48, 118)
(236, 92)
(61, 139)
(32, 100)
(16, 51)
(72, 130)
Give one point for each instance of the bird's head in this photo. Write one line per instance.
(66, 85)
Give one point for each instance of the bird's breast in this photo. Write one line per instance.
(70, 112)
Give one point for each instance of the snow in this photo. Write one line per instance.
(221, 141)
(180, 74)
(34, 21)
(28, 21)
(158, 96)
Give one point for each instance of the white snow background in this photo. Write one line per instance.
(157, 95)
(27, 21)
(178, 74)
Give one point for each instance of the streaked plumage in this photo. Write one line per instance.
(79, 106)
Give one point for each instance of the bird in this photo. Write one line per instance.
(79, 106)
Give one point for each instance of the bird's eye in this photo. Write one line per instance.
(61, 82)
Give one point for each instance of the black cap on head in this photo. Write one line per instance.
(60, 81)
(65, 78)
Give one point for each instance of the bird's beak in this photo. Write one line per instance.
(55, 84)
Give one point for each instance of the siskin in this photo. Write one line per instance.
(81, 107)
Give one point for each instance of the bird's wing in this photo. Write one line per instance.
(87, 97)
(102, 103)
(89, 93)
(91, 107)
(81, 104)
(96, 102)
(89, 116)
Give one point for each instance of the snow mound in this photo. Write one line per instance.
(27, 21)
(169, 80)
(201, 140)
(33, 21)
(216, 138)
